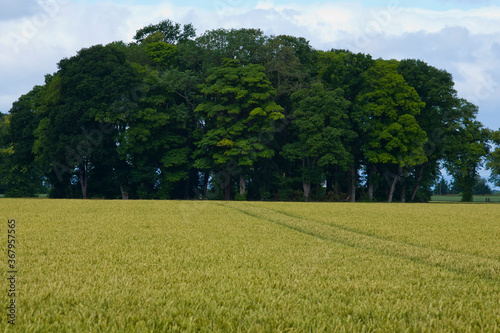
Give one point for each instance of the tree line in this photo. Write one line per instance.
(481, 187)
(236, 114)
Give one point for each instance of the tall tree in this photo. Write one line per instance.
(393, 135)
(319, 120)
(18, 170)
(288, 61)
(237, 113)
(466, 145)
(341, 69)
(154, 124)
(493, 159)
(436, 89)
(86, 86)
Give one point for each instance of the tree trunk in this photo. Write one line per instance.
(242, 185)
(417, 185)
(394, 182)
(336, 185)
(227, 187)
(307, 190)
(187, 188)
(84, 181)
(329, 185)
(264, 187)
(467, 183)
(205, 184)
(371, 183)
(352, 186)
(403, 192)
(124, 193)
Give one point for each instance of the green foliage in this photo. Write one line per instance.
(481, 187)
(390, 106)
(70, 139)
(166, 31)
(162, 54)
(244, 45)
(345, 70)
(436, 89)
(319, 123)
(238, 111)
(443, 188)
(465, 147)
(19, 173)
(493, 159)
(287, 60)
(387, 108)
(175, 115)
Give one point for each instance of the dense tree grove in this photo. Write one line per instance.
(236, 114)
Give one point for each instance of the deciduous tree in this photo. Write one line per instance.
(493, 160)
(237, 112)
(19, 173)
(319, 122)
(466, 145)
(394, 137)
(86, 86)
(436, 89)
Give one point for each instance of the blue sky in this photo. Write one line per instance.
(459, 36)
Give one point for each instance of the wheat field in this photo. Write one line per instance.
(205, 266)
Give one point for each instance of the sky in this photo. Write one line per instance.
(459, 36)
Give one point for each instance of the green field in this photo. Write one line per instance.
(167, 266)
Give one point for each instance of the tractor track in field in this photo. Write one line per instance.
(454, 261)
(381, 238)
